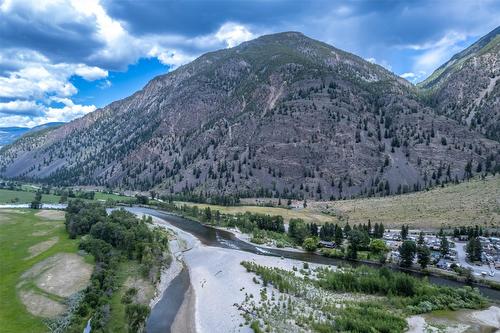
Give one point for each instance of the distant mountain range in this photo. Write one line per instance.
(281, 115)
(10, 134)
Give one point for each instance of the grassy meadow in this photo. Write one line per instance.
(20, 197)
(306, 214)
(20, 232)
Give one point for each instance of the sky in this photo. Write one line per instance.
(61, 59)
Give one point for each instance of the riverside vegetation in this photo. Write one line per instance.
(116, 241)
(346, 299)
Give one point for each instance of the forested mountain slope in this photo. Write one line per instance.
(467, 87)
(280, 115)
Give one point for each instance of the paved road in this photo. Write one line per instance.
(462, 255)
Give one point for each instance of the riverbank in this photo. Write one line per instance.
(219, 284)
(244, 237)
(462, 321)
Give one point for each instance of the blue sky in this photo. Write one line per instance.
(60, 59)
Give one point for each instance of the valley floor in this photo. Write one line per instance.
(224, 297)
(41, 271)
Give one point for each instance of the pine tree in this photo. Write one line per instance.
(444, 247)
(404, 232)
(423, 256)
(407, 253)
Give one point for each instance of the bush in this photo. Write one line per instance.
(310, 244)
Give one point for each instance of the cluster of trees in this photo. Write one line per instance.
(474, 249)
(222, 200)
(267, 222)
(331, 232)
(69, 193)
(111, 239)
(472, 232)
(37, 201)
(409, 249)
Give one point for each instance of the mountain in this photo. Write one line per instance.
(279, 115)
(10, 134)
(467, 87)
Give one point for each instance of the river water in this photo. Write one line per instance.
(163, 314)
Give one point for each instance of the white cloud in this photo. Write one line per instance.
(233, 34)
(67, 113)
(434, 53)
(19, 106)
(90, 73)
(382, 63)
(408, 75)
(31, 80)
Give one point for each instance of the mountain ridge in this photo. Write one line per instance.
(467, 87)
(281, 115)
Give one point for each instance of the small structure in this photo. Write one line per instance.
(443, 264)
(327, 244)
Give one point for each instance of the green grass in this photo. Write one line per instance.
(16, 228)
(100, 196)
(27, 194)
(117, 321)
(19, 197)
(307, 215)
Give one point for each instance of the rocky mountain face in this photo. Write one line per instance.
(467, 87)
(281, 115)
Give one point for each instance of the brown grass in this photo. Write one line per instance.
(468, 203)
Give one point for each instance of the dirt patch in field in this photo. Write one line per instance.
(51, 214)
(40, 233)
(144, 289)
(12, 211)
(41, 247)
(41, 306)
(4, 219)
(53, 224)
(62, 274)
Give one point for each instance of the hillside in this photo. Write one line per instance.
(467, 87)
(465, 204)
(280, 115)
(11, 134)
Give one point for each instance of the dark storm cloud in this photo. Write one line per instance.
(193, 18)
(61, 42)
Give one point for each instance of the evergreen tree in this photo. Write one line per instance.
(347, 229)
(407, 253)
(423, 256)
(421, 240)
(37, 202)
(404, 232)
(444, 247)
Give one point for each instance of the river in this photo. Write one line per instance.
(163, 314)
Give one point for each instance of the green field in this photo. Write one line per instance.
(15, 197)
(20, 231)
(101, 196)
(28, 194)
(306, 214)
